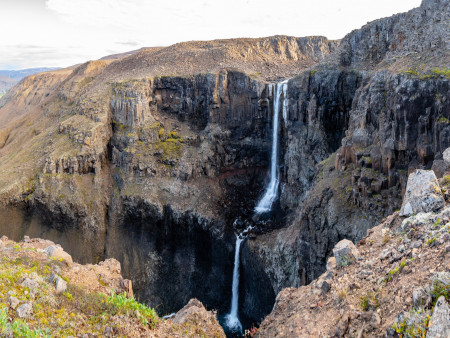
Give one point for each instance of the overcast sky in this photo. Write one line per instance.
(59, 33)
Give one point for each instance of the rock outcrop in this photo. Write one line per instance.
(423, 194)
(393, 288)
(439, 325)
(62, 296)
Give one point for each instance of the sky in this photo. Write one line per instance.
(61, 33)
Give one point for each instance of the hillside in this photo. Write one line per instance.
(395, 281)
(9, 78)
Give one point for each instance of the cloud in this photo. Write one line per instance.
(129, 43)
(67, 31)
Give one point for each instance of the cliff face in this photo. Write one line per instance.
(135, 162)
(387, 115)
(171, 145)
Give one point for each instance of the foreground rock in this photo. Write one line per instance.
(345, 253)
(50, 294)
(423, 193)
(194, 313)
(402, 270)
(439, 326)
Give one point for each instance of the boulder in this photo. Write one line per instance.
(58, 253)
(423, 193)
(345, 253)
(439, 167)
(13, 302)
(421, 298)
(446, 156)
(195, 314)
(439, 326)
(331, 263)
(24, 310)
(29, 283)
(60, 285)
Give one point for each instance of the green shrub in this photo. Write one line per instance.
(123, 305)
(369, 301)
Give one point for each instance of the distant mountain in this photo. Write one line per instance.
(8, 78)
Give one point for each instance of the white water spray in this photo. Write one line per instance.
(232, 318)
(265, 204)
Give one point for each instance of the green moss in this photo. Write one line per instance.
(443, 119)
(441, 71)
(440, 289)
(392, 273)
(161, 133)
(434, 73)
(431, 240)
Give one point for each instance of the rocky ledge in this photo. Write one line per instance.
(394, 282)
(43, 293)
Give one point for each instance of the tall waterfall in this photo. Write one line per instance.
(265, 204)
(232, 319)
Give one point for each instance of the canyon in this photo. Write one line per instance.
(158, 158)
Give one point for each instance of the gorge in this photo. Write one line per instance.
(159, 158)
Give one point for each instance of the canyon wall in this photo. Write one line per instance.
(138, 155)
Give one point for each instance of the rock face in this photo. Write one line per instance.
(396, 124)
(423, 193)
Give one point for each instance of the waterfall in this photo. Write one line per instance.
(233, 322)
(265, 204)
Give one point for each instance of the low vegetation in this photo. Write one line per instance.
(74, 312)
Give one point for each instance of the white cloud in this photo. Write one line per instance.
(89, 29)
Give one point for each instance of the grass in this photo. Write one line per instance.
(18, 327)
(440, 289)
(392, 273)
(369, 301)
(413, 328)
(123, 305)
(342, 292)
(434, 73)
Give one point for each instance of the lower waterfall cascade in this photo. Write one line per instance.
(232, 319)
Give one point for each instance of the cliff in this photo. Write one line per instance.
(171, 145)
